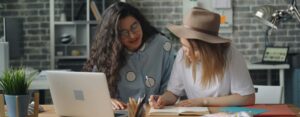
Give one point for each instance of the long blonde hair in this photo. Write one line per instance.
(213, 58)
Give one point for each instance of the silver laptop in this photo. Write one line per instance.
(83, 94)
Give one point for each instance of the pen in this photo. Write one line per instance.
(150, 82)
(147, 91)
(150, 91)
(155, 97)
(147, 79)
(139, 100)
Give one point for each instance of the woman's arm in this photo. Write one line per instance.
(230, 100)
(168, 98)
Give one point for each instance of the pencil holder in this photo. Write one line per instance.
(135, 108)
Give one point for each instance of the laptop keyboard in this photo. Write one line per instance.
(121, 113)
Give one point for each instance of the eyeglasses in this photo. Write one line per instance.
(133, 30)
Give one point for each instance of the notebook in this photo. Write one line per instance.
(184, 111)
(80, 94)
(274, 55)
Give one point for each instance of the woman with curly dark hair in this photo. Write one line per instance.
(136, 58)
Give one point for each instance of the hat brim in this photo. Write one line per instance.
(183, 32)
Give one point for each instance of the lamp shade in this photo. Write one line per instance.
(265, 15)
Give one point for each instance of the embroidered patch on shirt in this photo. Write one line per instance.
(130, 76)
(167, 46)
(150, 82)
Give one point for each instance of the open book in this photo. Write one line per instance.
(173, 110)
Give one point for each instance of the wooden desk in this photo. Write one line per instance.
(49, 111)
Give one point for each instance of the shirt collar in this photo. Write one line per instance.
(141, 49)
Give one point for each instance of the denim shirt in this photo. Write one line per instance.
(147, 70)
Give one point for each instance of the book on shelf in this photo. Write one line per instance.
(80, 11)
(184, 111)
(95, 10)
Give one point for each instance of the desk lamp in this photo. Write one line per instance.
(271, 16)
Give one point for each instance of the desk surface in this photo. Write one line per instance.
(265, 66)
(49, 111)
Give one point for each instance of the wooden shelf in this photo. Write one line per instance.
(70, 45)
(71, 57)
(81, 30)
(74, 22)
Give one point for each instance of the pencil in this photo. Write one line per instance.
(130, 113)
(132, 105)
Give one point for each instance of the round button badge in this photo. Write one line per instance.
(130, 76)
(167, 46)
(150, 82)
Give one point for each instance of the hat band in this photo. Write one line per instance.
(200, 30)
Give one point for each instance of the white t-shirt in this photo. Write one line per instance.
(236, 79)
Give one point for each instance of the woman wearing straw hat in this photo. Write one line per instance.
(207, 69)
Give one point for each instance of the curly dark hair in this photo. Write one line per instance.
(107, 52)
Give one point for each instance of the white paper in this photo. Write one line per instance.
(168, 109)
(192, 109)
(221, 4)
(173, 110)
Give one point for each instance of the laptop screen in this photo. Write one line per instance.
(275, 54)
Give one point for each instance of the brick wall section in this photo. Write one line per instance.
(160, 13)
(35, 14)
(248, 33)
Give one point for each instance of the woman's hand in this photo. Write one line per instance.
(191, 102)
(118, 105)
(156, 101)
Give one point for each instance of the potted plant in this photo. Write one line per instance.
(15, 84)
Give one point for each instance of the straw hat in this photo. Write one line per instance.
(199, 24)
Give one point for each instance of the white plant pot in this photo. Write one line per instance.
(17, 105)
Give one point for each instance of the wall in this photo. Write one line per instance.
(35, 14)
(248, 33)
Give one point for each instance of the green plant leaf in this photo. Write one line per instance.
(16, 82)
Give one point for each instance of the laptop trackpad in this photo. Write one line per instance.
(121, 113)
